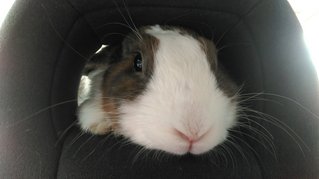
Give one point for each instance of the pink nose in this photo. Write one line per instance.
(187, 138)
(190, 138)
(184, 136)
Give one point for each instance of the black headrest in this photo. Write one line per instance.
(45, 44)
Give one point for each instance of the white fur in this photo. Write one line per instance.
(84, 89)
(91, 116)
(182, 95)
(84, 92)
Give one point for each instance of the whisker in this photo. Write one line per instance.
(138, 154)
(212, 158)
(114, 23)
(116, 33)
(60, 35)
(276, 122)
(224, 153)
(288, 99)
(223, 35)
(125, 142)
(39, 112)
(130, 17)
(259, 132)
(238, 148)
(233, 45)
(178, 17)
(95, 148)
(227, 150)
(65, 132)
(243, 141)
(250, 97)
(273, 152)
(259, 99)
(115, 144)
(245, 116)
(240, 21)
(76, 138)
(126, 21)
(82, 145)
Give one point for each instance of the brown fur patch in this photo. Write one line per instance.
(121, 82)
(210, 51)
(110, 108)
(223, 80)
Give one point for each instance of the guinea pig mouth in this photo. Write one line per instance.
(185, 143)
(191, 140)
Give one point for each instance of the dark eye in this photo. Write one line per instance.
(138, 62)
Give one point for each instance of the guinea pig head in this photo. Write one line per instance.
(167, 92)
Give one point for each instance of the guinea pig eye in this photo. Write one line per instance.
(138, 62)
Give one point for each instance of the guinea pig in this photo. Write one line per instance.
(161, 88)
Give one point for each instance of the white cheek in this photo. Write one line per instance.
(90, 111)
(182, 95)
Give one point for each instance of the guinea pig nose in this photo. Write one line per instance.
(183, 136)
(190, 139)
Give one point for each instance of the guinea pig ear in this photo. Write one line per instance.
(102, 59)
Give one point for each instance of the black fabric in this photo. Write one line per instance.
(44, 45)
